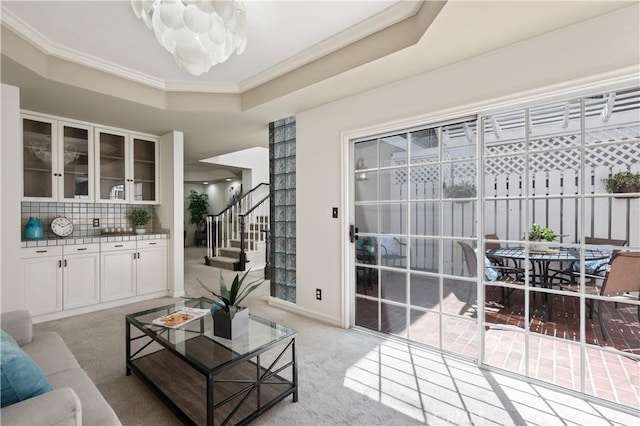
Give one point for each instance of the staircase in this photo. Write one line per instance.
(237, 240)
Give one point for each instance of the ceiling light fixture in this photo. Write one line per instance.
(198, 33)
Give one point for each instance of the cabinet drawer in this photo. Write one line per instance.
(81, 248)
(151, 243)
(31, 252)
(118, 245)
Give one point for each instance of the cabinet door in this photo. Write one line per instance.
(75, 152)
(39, 178)
(152, 265)
(145, 170)
(42, 284)
(117, 276)
(111, 165)
(80, 275)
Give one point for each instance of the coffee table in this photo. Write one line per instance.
(206, 379)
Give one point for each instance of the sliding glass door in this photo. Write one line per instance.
(414, 208)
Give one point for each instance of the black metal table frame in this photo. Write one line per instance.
(252, 386)
(543, 260)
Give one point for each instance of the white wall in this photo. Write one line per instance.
(170, 213)
(575, 56)
(11, 294)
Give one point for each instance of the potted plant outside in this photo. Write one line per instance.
(459, 190)
(623, 182)
(139, 219)
(231, 320)
(198, 209)
(539, 234)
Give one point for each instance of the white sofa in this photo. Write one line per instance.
(74, 400)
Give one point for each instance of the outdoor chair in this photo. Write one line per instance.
(621, 283)
(592, 267)
(492, 272)
(391, 251)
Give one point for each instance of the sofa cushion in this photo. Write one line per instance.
(21, 378)
(95, 409)
(50, 352)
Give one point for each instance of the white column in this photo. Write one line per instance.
(171, 209)
(11, 188)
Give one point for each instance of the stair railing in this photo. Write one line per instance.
(257, 217)
(225, 225)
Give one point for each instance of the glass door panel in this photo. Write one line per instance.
(409, 279)
(75, 162)
(144, 170)
(37, 158)
(112, 166)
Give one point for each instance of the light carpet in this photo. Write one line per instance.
(346, 377)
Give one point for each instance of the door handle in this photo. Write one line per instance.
(353, 233)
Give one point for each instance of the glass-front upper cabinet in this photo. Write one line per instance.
(56, 160)
(145, 153)
(75, 154)
(127, 167)
(111, 164)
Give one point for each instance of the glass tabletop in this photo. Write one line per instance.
(196, 342)
(560, 254)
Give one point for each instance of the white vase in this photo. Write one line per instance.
(140, 230)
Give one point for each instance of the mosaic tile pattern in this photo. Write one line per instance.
(112, 217)
(282, 172)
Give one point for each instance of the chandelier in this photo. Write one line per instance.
(198, 33)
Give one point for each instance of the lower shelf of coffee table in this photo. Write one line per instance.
(187, 388)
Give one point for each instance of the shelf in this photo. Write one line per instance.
(144, 161)
(34, 169)
(111, 157)
(112, 178)
(143, 181)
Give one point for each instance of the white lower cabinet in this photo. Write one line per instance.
(130, 268)
(152, 261)
(42, 279)
(81, 275)
(118, 270)
(60, 277)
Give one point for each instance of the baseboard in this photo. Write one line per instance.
(292, 307)
(98, 307)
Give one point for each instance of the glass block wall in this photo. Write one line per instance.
(282, 171)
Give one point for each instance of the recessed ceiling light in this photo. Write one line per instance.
(228, 179)
(205, 183)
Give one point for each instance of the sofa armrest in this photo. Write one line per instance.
(58, 407)
(18, 324)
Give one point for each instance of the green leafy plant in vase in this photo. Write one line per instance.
(538, 233)
(230, 320)
(139, 219)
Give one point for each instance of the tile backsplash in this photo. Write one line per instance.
(112, 217)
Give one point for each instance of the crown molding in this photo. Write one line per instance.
(383, 19)
(363, 29)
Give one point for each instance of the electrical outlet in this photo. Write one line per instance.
(318, 294)
(96, 222)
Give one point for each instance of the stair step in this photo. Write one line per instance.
(230, 252)
(248, 243)
(222, 262)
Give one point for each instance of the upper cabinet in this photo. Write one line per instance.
(127, 167)
(56, 160)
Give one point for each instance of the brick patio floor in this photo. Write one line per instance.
(611, 367)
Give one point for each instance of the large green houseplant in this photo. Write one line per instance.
(198, 209)
(229, 318)
(538, 234)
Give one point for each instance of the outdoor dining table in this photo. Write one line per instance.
(541, 259)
